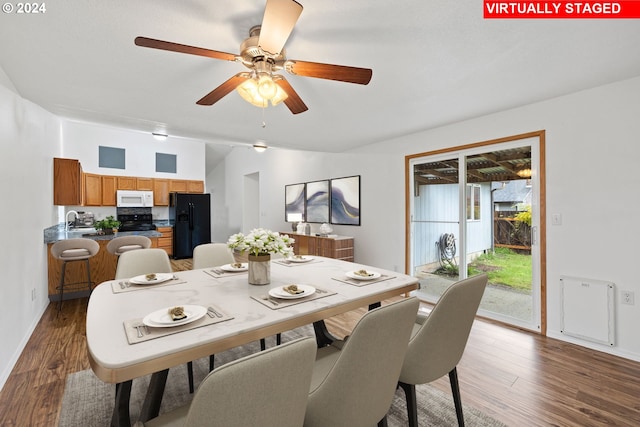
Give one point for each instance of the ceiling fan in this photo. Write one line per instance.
(263, 53)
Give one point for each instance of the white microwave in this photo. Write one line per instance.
(134, 199)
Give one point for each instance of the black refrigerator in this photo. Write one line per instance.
(191, 217)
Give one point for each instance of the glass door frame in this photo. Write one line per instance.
(538, 241)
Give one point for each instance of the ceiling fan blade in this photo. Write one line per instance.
(183, 48)
(221, 91)
(280, 16)
(293, 101)
(340, 73)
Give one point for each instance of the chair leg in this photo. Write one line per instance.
(412, 407)
(88, 275)
(278, 339)
(263, 344)
(211, 360)
(455, 389)
(190, 375)
(61, 285)
(383, 422)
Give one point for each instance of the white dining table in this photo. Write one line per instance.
(248, 317)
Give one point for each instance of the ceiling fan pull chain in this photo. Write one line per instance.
(264, 123)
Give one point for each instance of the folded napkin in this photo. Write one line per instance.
(278, 303)
(356, 282)
(119, 286)
(218, 273)
(150, 333)
(288, 263)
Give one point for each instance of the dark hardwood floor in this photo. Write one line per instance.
(520, 378)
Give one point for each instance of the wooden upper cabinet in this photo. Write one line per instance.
(178, 186)
(127, 183)
(92, 189)
(109, 190)
(195, 186)
(67, 182)
(160, 192)
(145, 184)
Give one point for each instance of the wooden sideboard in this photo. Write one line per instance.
(338, 247)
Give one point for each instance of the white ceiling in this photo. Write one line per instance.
(434, 62)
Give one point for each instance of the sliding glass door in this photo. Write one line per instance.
(474, 210)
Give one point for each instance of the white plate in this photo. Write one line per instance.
(302, 258)
(280, 293)
(353, 275)
(162, 319)
(160, 277)
(230, 267)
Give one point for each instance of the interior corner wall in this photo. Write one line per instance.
(29, 139)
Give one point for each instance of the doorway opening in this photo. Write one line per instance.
(478, 209)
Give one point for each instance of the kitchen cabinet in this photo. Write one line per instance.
(338, 247)
(109, 184)
(160, 192)
(166, 240)
(195, 186)
(144, 184)
(92, 189)
(178, 186)
(127, 183)
(67, 182)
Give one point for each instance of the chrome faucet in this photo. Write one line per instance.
(66, 220)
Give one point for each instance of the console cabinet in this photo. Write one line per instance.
(338, 247)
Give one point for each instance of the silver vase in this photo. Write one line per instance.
(259, 269)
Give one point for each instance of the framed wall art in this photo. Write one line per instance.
(294, 202)
(345, 200)
(317, 201)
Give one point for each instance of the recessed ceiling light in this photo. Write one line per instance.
(260, 147)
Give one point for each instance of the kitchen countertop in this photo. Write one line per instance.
(57, 232)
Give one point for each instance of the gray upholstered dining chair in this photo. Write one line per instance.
(212, 255)
(70, 250)
(263, 389)
(438, 342)
(135, 263)
(354, 380)
(120, 245)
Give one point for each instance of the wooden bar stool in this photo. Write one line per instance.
(123, 244)
(73, 250)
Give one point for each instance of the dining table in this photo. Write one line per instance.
(130, 333)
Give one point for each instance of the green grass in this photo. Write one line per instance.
(505, 267)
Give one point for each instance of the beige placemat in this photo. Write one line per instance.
(355, 282)
(126, 286)
(150, 333)
(288, 263)
(217, 273)
(278, 303)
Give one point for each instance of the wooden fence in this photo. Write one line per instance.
(512, 234)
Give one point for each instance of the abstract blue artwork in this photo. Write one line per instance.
(318, 201)
(294, 198)
(345, 200)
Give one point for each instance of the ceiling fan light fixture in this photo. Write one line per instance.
(266, 86)
(249, 92)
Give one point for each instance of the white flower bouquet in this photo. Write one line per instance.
(261, 242)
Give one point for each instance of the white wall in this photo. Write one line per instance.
(591, 157)
(82, 141)
(29, 139)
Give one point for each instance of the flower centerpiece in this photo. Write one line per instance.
(261, 243)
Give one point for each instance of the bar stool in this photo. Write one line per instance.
(73, 250)
(123, 244)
